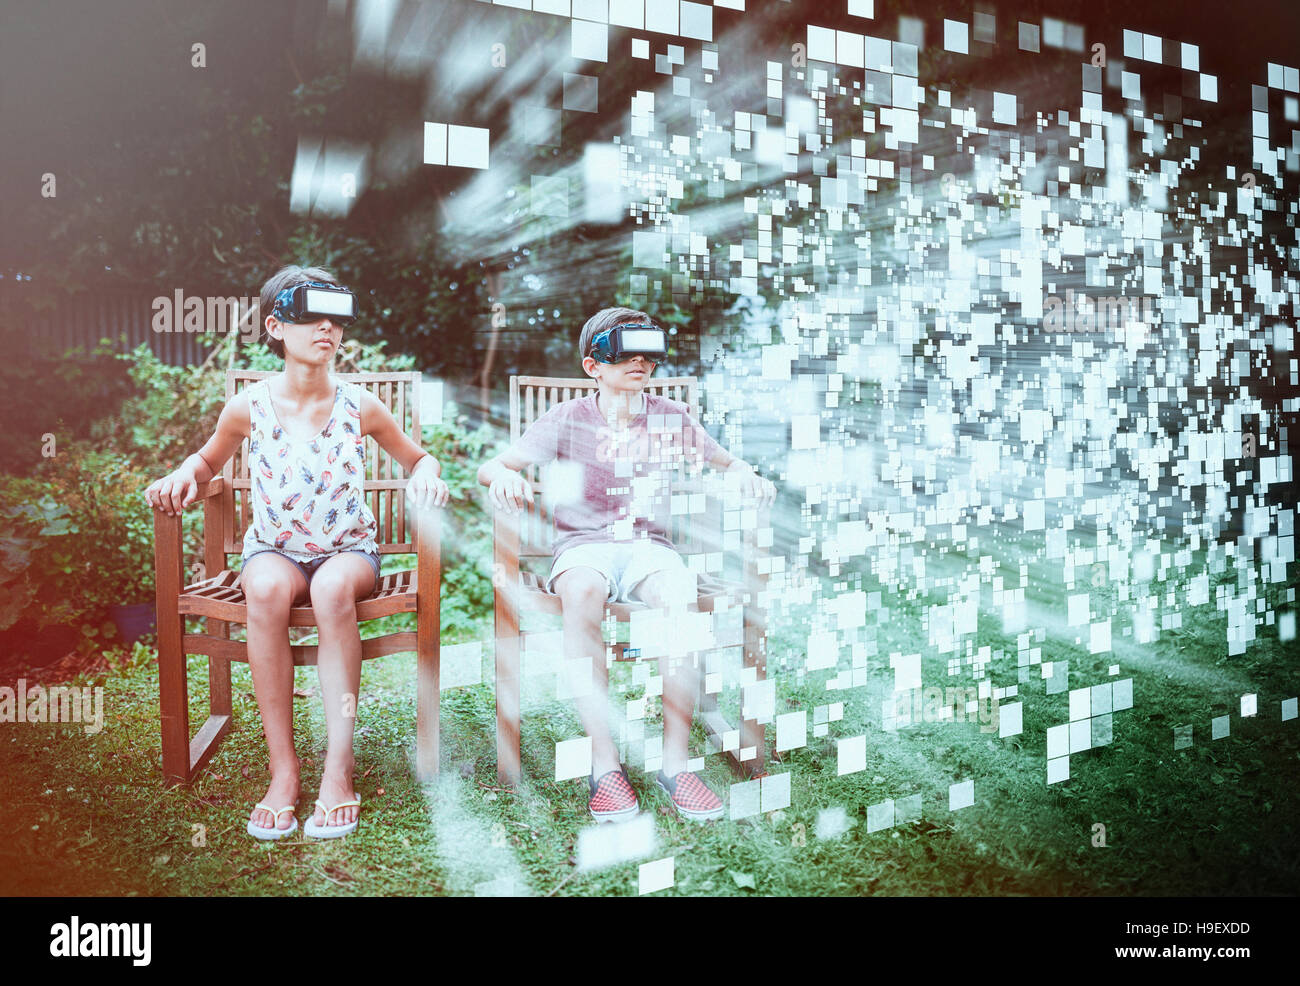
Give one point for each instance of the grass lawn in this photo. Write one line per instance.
(89, 814)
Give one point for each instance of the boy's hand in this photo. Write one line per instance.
(750, 484)
(426, 486)
(173, 493)
(510, 491)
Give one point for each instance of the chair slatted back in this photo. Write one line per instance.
(384, 482)
(531, 397)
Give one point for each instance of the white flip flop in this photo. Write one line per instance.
(272, 834)
(314, 831)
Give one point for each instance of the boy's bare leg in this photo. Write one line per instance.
(271, 584)
(335, 588)
(671, 590)
(583, 592)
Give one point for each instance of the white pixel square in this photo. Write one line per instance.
(657, 875)
(1101, 697)
(1121, 695)
(573, 758)
(1099, 637)
(774, 792)
(1058, 770)
(1010, 719)
(849, 48)
(791, 731)
(961, 795)
(628, 13)
(1080, 703)
(435, 143)
(467, 147)
(589, 41)
(758, 700)
(852, 755)
(821, 44)
(880, 816)
(744, 799)
(805, 431)
(1072, 240)
(1080, 735)
(956, 36)
(1004, 108)
(1248, 705)
(697, 21)
(591, 10)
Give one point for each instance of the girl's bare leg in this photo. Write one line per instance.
(335, 588)
(271, 584)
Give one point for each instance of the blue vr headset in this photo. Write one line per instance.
(312, 300)
(628, 340)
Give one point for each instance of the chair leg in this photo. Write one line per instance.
(173, 699)
(219, 697)
(427, 704)
(507, 689)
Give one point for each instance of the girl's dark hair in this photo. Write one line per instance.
(287, 277)
(604, 319)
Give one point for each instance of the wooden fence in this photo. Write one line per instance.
(124, 317)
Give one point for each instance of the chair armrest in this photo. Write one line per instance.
(167, 546)
(211, 488)
(167, 558)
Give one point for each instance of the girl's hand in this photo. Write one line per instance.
(426, 486)
(173, 493)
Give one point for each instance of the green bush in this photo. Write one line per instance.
(61, 397)
(79, 539)
(467, 531)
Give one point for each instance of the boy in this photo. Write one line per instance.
(312, 536)
(611, 534)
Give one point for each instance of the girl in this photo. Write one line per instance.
(312, 536)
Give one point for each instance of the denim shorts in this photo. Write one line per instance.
(309, 568)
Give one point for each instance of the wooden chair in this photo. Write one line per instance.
(219, 598)
(521, 537)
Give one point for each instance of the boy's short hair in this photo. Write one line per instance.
(287, 277)
(604, 319)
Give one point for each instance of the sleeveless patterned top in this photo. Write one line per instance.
(308, 497)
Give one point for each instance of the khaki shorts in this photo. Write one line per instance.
(624, 564)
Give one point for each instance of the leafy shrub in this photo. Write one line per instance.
(79, 539)
(60, 397)
(467, 531)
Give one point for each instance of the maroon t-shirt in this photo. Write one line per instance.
(606, 487)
